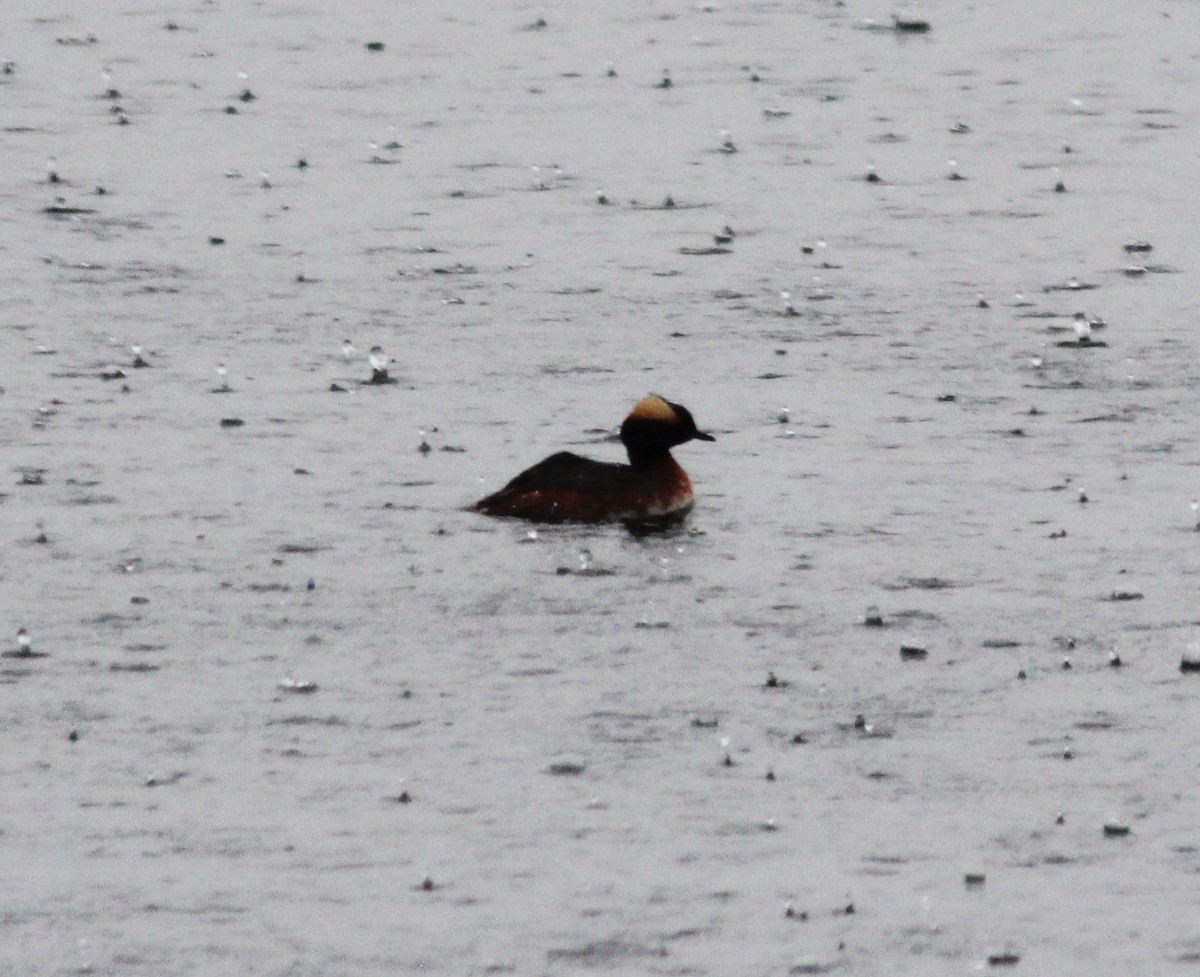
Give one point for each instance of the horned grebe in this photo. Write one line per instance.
(569, 488)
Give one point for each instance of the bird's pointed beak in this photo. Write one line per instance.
(702, 436)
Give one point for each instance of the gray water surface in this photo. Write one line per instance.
(570, 750)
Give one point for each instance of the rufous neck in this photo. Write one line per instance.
(644, 459)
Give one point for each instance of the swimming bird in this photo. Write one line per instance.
(652, 489)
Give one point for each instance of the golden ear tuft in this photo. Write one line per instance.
(654, 408)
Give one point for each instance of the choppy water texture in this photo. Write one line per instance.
(582, 751)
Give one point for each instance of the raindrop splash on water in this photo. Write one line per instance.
(110, 90)
(379, 365)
